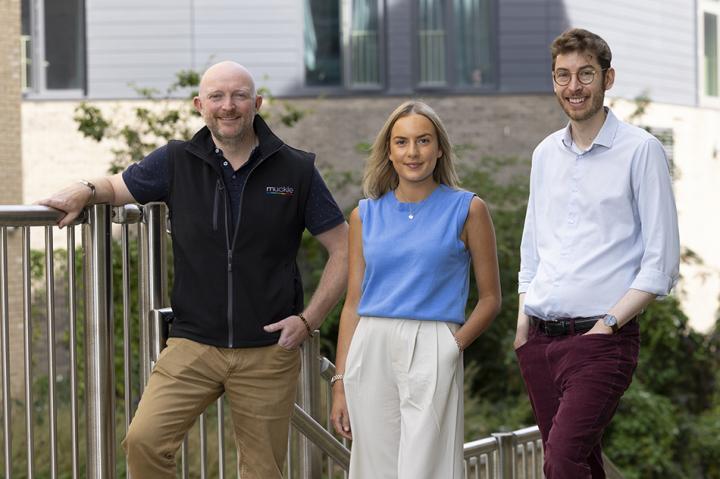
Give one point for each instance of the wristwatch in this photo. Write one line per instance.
(611, 322)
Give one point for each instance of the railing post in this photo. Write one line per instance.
(310, 457)
(99, 352)
(153, 246)
(506, 454)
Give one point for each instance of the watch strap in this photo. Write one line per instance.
(91, 186)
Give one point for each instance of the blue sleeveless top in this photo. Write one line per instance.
(415, 268)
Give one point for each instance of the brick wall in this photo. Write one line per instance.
(10, 163)
(11, 172)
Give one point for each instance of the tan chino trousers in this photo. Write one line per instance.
(260, 385)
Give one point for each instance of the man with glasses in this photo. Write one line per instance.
(600, 243)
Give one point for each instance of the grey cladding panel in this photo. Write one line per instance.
(653, 45)
(143, 42)
(526, 29)
(399, 61)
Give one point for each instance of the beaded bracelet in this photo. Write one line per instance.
(307, 325)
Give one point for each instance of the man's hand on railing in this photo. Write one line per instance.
(71, 200)
(74, 198)
(339, 414)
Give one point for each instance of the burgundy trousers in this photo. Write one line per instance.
(575, 383)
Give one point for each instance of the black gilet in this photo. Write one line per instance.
(231, 280)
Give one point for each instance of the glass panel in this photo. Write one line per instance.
(431, 42)
(473, 38)
(322, 42)
(711, 54)
(364, 43)
(64, 44)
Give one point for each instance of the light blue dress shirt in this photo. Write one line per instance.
(598, 223)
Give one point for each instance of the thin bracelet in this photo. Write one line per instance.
(336, 378)
(307, 325)
(91, 186)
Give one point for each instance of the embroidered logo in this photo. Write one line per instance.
(280, 190)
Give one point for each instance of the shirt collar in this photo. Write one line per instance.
(605, 136)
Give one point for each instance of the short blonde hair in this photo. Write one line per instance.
(380, 176)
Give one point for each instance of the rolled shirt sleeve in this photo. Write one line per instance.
(660, 264)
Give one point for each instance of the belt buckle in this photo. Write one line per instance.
(555, 327)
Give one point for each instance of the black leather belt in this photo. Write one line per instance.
(565, 326)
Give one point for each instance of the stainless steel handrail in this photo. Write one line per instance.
(312, 430)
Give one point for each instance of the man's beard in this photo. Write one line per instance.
(597, 104)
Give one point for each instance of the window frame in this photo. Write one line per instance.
(713, 8)
(346, 85)
(452, 84)
(35, 81)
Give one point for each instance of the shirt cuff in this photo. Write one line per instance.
(654, 282)
(523, 286)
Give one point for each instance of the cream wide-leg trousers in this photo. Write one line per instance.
(404, 389)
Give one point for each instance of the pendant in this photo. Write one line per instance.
(411, 216)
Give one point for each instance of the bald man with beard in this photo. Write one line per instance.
(239, 200)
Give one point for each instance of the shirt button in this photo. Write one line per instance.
(234, 176)
(225, 163)
(217, 150)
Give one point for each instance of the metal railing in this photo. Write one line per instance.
(50, 334)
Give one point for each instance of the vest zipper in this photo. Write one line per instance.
(231, 246)
(229, 275)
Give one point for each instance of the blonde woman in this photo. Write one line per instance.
(399, 389)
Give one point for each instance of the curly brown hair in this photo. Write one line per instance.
(579, 40)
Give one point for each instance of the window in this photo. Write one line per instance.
(431, 42)
(337, 57)
(455, 43)
(53, 45)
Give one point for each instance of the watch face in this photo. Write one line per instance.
(610, 321)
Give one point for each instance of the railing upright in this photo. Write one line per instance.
(152, 286)
(99, 370)
(52, 370)
(506, 454)
(5, 357)
(310, 456)
(27, 356)
(72, 318)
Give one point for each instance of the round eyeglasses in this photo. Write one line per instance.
(585, 76)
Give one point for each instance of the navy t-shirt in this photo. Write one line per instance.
(148, 181)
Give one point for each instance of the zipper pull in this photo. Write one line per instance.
(230, 253)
